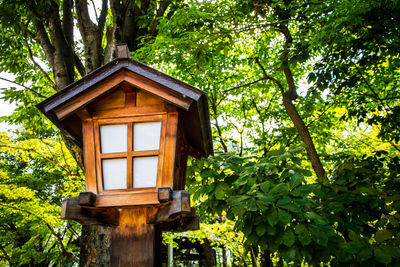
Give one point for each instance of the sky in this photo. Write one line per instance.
(5, 107)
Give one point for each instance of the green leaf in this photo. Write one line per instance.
(305, 238)
(381, 255)
(279, 188)
(300, 228)
(272, 217)
(284, 216)
(319, 219)
(265, 186)
(288, 238)
(382, 235)
(266, 199)
(318, 234)
(238, 210)
(260, 230)
(220, 190)
(283, 201)
(236, 200)
(296, 180)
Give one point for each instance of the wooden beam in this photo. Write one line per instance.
(127, 199)
(71, 210)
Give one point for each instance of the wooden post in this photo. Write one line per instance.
(133, 241)
(136, 230)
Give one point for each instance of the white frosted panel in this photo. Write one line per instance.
(114, 174)
(146, 136)
(145, 171)
(113, 138)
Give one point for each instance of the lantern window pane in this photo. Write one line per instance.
(146, 136)
(113, 138)
(145, 171)
(114, 174)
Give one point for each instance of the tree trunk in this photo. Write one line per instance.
(265, 257)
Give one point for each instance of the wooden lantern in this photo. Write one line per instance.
(136, 126)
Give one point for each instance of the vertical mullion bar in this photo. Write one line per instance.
(129, 159)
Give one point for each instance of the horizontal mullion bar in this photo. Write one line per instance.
(144, 153)
(113, 155)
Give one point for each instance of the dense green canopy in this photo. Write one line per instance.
(305, 105)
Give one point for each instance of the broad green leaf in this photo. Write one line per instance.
(382, 235)
(221, 190)
(296, 180)
(382, 255)
(265, 186)
(260, 230)
(318, 235)
(272, 217)
(288, 237)
(279, 188)
(284, 216)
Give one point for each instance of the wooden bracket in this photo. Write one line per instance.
(176, 215)
(86, 215)
(87, 199)
(164, 194)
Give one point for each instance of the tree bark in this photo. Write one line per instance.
(291, 95)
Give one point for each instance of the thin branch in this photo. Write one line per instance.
(57, 235)
(35, 63)
(95, 11)
(63, 154)
(27, 88)
(40, 154)
(244, 85)
(44, 41)
(79, 65)
(269, 77)
(387, 108)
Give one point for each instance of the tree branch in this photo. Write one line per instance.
(266, 76)
(64, 71)
(244, 85)
(44, 41)
(91, 33)
(299, 124)
(160, 12)
(30, 89)
(59, 239)
(35, 63)
(291, 93)
(68, 24)
(79, 65)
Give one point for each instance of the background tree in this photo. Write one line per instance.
(41, 48)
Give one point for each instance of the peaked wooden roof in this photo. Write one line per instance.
(191, 102)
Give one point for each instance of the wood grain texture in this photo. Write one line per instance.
(157, 89)
(89, 155)
(133, 241)
(130, 112)
(89, 96)
(144, 99)
(169, 150)
(112, 100)
(127, 199)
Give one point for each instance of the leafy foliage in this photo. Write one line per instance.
(35, 175)
(344, 60)
(349, 218)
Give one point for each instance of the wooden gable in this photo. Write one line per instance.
(108, 89)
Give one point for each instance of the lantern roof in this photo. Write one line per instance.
(190, 101)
